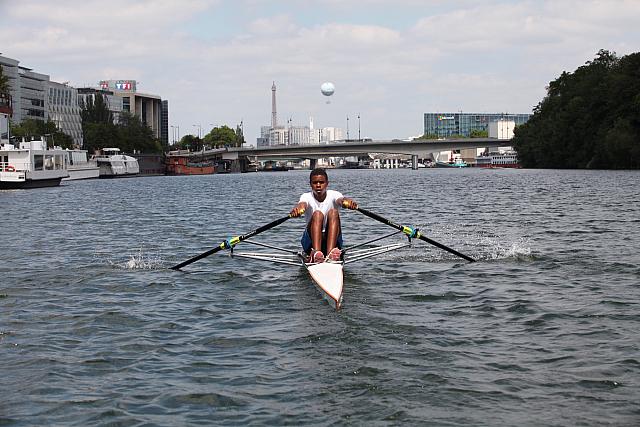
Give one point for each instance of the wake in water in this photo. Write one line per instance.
(501, 249)
(138, 261)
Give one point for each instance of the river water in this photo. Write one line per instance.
(95, 329)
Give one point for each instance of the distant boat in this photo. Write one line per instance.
(184, 165)
(112, 164)
(507, 159)
(32, 165)
(454, 162)
(80, 167)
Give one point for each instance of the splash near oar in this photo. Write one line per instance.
(413, 233)
(231, 242)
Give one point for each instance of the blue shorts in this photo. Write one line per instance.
(307, 243)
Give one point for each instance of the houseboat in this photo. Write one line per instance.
(31, 165)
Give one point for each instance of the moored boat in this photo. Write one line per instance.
(507, 159)
(31, 165)
(185, 165)
(112, 164)
(454, 161)
(80, 167)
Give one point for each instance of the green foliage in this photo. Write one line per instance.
(133, 135)
(190, 142)
(221, 136)
(589, 118)
(99, 135)
(477, 133)
(129, 134)
(96, 111)
(32, 128)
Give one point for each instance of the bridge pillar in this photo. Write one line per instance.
(414, 162)
(313, 163)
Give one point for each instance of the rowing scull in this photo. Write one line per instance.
(327, 276)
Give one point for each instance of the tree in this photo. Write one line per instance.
(221, 136)
(133, 135)
(190, 142)
(129, 134)
(590, 118)
(97, 124)
(32, 128)
(239, 136)
(95, 110)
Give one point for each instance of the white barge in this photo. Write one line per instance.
(31, 165)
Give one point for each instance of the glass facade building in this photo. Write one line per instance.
(446, 125)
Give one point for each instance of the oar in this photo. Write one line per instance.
(231, 242)
(411, 232)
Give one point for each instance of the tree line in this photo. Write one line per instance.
(589, 118)
(128, 133)
(218, 137)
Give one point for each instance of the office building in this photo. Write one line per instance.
(299, 135)
(146, 106)
(28, 91)
(447, 125)
(164, 124)
(64, 111)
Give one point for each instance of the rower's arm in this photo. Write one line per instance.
(298, 209)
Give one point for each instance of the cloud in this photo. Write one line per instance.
(215, 60)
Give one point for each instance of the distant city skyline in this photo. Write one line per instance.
(390, 61)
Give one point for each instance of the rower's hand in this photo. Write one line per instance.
(349, 204)
(296, 212)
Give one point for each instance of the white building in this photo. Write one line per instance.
(501, 129)
(299, 135)
(64, 111)
(278, 136)
(330, 134)
(146, 106)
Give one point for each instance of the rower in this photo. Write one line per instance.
(322, 234)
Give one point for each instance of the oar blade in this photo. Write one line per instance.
(446, 248)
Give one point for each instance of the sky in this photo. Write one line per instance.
(391, 61)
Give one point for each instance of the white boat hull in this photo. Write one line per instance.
(88, 172)
(329, 280)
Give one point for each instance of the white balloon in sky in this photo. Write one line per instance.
(327, 88)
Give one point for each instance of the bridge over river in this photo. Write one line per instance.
(416, 149)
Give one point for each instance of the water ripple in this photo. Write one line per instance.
(95, 329)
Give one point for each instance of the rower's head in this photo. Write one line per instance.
(319, 182)
(316, 172)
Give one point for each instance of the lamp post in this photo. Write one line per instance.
(359, 139)
(347, 128)
(199, 130)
